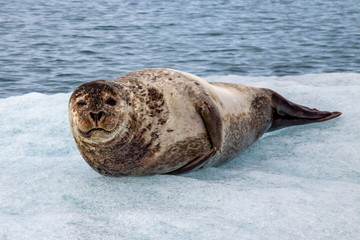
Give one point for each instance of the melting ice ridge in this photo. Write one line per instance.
(297, 183)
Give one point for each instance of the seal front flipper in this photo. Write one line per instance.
(214, 122)
(287, 113)
(194, 164)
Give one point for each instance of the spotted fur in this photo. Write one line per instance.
(156, 121)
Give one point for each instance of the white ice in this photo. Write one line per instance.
(297, 183)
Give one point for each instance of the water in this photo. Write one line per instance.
(297, 183)
(52, 46)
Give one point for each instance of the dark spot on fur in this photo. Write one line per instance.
(154, 135)
(154, 95)
(162, 121)
(170, 130)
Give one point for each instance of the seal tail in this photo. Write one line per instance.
(287, 113)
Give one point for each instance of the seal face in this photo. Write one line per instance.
(157, 121)
(97, 112)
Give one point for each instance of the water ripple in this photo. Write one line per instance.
(51, 46)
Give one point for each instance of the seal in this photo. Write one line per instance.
(164, 121)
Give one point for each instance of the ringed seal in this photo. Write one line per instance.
(163, 121)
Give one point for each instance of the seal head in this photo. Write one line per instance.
(97, 112)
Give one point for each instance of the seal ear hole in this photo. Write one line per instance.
(110, 101)
(81, 103)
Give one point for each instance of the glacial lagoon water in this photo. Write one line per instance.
(52, 46)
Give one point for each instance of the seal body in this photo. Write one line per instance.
(157, 121)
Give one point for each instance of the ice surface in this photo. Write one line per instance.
(297, 183)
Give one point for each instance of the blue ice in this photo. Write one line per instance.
(297, 183)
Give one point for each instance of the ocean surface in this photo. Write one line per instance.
(297, 183)
(51, 46)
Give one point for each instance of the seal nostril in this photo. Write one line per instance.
(93, 116)
(97, 116)
(100, 114)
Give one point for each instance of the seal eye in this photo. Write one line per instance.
(81, 103)
(110, 101)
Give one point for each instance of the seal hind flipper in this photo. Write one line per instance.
(287, 113)
(194, 164)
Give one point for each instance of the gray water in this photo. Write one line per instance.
(52, 46)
